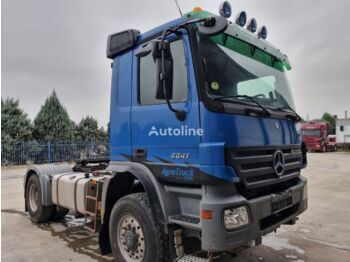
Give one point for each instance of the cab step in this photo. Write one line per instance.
(191, 258)
(186, 221)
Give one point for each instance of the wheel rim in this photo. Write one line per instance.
(131, 240)
(33, 197)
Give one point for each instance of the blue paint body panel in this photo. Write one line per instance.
(131, 123)
(120, 111)
(246, 131)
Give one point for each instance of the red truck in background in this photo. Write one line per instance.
(332, 142)
(316, 136)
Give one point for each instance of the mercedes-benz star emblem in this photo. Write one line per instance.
(279, 163)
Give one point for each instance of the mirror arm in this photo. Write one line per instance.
(180, 114)
(176, 29)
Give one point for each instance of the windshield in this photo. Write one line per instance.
(314, 132)
(235, 68)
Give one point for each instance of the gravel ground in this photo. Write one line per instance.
(321, 234)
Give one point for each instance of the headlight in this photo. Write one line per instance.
(236, 217)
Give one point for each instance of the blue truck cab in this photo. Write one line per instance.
(215, 157)
(224, 155)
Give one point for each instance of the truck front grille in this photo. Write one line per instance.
(254, 166)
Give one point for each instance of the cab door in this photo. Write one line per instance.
(158, 137)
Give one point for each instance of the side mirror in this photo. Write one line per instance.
(164, 69)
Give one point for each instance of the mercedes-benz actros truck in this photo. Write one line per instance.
(204, 152)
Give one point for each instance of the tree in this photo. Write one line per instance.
(327, 117)
(15, 124)
(104, 134)
(88, 130)
(53, 122)
(108, 130)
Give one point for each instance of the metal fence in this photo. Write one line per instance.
(52, 151)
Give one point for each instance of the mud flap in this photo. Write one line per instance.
(103, 240)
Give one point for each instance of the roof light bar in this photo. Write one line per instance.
(225, 9)
(252, 25)
(262, 32)
(241, 18)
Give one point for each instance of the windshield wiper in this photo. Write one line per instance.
(296, 117)
(225, 98)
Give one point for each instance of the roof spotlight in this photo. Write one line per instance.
(252, 25)
(225, 9)
(241, 18)
(262, 32)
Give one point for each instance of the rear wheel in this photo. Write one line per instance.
(38, 212)
(134, 235)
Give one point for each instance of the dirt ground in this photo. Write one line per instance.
(321, 234)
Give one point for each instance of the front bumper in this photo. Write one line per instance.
(262, 219)
(314, 146)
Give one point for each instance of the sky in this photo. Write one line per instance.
(61, 45)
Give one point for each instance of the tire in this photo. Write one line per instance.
(132, 221)
(38, 212)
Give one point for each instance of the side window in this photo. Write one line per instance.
(341, 128)
(147, 77)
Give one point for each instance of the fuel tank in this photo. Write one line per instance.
(69, 190)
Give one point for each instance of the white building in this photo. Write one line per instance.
(343, 130)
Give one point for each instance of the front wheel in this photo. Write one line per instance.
(37, 211)
(133, 233)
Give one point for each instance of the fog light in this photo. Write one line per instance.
(236, 217)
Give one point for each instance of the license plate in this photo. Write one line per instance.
(281, 201)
